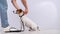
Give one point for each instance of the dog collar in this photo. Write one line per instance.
(21, 15)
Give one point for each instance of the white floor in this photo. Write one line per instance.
(42, 31)
(47, 31)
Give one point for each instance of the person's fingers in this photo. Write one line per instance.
(25, 12)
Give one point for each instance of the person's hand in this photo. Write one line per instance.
(25, 11)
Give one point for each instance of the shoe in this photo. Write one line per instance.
(10, 29)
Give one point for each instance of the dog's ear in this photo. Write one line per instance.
(20, 10)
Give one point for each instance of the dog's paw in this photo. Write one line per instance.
(29, 30)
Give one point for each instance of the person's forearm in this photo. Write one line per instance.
(15, 4)
(24, 3)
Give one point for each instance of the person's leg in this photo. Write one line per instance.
(3, 16)
(3, 12)
(4, 19)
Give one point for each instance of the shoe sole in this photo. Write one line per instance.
(14, 31)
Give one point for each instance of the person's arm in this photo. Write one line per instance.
(25, 5)
(17, 7)
(15, 4)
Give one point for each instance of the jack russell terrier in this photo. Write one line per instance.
(26, 21)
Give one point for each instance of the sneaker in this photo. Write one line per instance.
(10, 29)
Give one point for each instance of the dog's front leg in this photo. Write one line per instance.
(22, 24)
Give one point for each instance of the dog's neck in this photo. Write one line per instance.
(21, 14)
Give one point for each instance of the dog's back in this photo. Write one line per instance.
(28, 22)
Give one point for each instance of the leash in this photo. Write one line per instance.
(23, 26)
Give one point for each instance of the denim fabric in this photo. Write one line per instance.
(3, 13)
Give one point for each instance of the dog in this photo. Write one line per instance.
(26, 21)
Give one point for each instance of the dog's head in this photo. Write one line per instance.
(19, 12)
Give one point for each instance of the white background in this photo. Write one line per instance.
(45, 13)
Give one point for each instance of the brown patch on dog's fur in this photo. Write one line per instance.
(19, 11)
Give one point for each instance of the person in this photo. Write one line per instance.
(3, 16)
(18, 8)
(25, 11)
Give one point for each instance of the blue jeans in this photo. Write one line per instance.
(3, 13)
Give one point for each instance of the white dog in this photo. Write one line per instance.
(28, 22)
